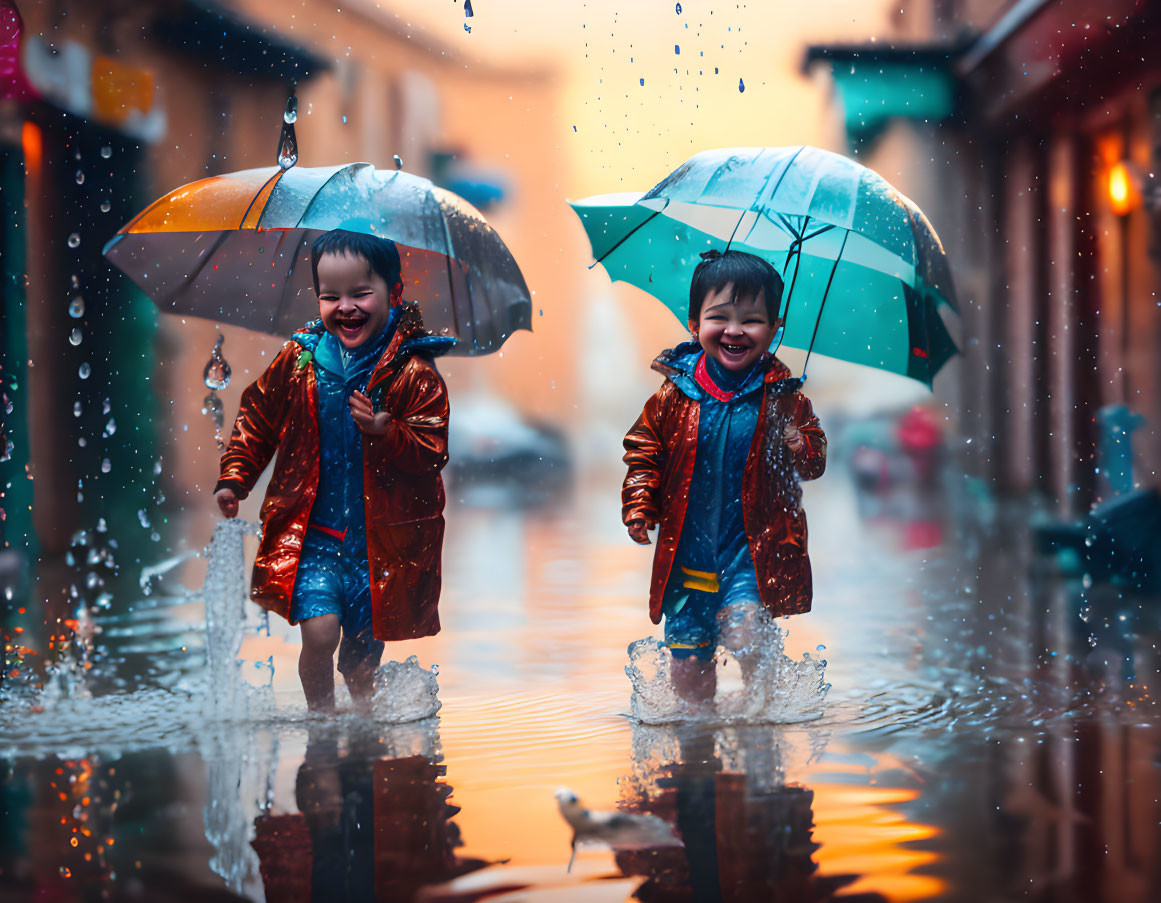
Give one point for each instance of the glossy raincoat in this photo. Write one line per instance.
(403, 490)
(661, 449)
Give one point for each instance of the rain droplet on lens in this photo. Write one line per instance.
(106, 152)
(74, 240)
(80, 177)
(106, 466)
(77, 307)
(106, 206)
(84, 370)
(76, 336)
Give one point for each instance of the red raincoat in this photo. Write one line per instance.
(403, 490)
(660, 450)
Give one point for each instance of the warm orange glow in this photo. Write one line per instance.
(1122, 195)
(32, 143)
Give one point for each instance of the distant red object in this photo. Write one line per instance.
(920, 437)
(13, 84)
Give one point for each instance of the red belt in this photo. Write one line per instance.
(340, 535)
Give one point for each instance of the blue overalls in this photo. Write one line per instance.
(713, 568)
(333, 571)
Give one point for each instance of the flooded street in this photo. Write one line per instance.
(989, 734)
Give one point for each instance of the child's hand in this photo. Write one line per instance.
(371, 423)
(227, 502)
(795, 441)
(639, 531)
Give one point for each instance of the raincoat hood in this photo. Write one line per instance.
(679, 364)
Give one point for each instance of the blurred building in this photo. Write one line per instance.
(105, 107)
(1030, 132)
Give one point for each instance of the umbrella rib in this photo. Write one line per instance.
(274, 178)
(822, 304)
(197, 271)
(629, 234)
(762, 208)
(289, 276)
(451, 282)
(334, 175)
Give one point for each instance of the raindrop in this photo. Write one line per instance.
(290, 115)
(398, 162)
(77, 307)
(143, 518)
(74, 281)
(468, 9)
(679, 9)
(157, 468)
(106, 407)
(80, 177)
(102, 527)
(216, 374)
(106, 152)
(106, 466)
(76, 336)
(106, 206)
(74, 240)
(77, 409)
(110, 427)
(677, 49)
(84, 370)
(741, 86)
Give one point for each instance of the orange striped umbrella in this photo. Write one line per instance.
(235, 249)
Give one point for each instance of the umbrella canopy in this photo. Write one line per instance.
(235, 249)
(867, 278)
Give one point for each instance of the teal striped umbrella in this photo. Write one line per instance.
(867, 278)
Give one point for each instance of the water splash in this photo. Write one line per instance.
(216, 375)
(775, 688)
(404, 692)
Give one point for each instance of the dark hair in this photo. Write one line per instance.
(748, 273)
(380, 253)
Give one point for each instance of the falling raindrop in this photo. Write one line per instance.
(84, 370)
(287, 143)
(741, 86)
(290, 115)
(77, 307)
(398, 162)
(157, 468)
(216, 374)
(76, 336)
(110, 427)
(106, 206)
(106, 466)
(143, 518)
(679, 9)
(106, 152)
(80, 177)
(468, 9)
(106, 407)
(74, 240)
(77, 409)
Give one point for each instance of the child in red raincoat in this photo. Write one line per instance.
(715, 460)
(352, 522)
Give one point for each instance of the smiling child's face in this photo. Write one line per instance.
(353, 300)
(735, 333)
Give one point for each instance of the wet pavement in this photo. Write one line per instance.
(990, 733)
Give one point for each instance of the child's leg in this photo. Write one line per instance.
(359, 657)
(694, 678)
(316, 662)
(689, 636)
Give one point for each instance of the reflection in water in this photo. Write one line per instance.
(374, 819)
(745, 833)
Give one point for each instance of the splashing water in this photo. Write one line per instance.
(405, 692)
(775, 688)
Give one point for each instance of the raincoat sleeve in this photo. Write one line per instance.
(416, 436)
(810, 460)
(258, 429)
(645, 454)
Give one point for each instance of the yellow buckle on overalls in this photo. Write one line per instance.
(702, 581)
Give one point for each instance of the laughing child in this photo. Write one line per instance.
(715, 459)
(352, 522)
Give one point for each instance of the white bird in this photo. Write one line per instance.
(622, 830)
